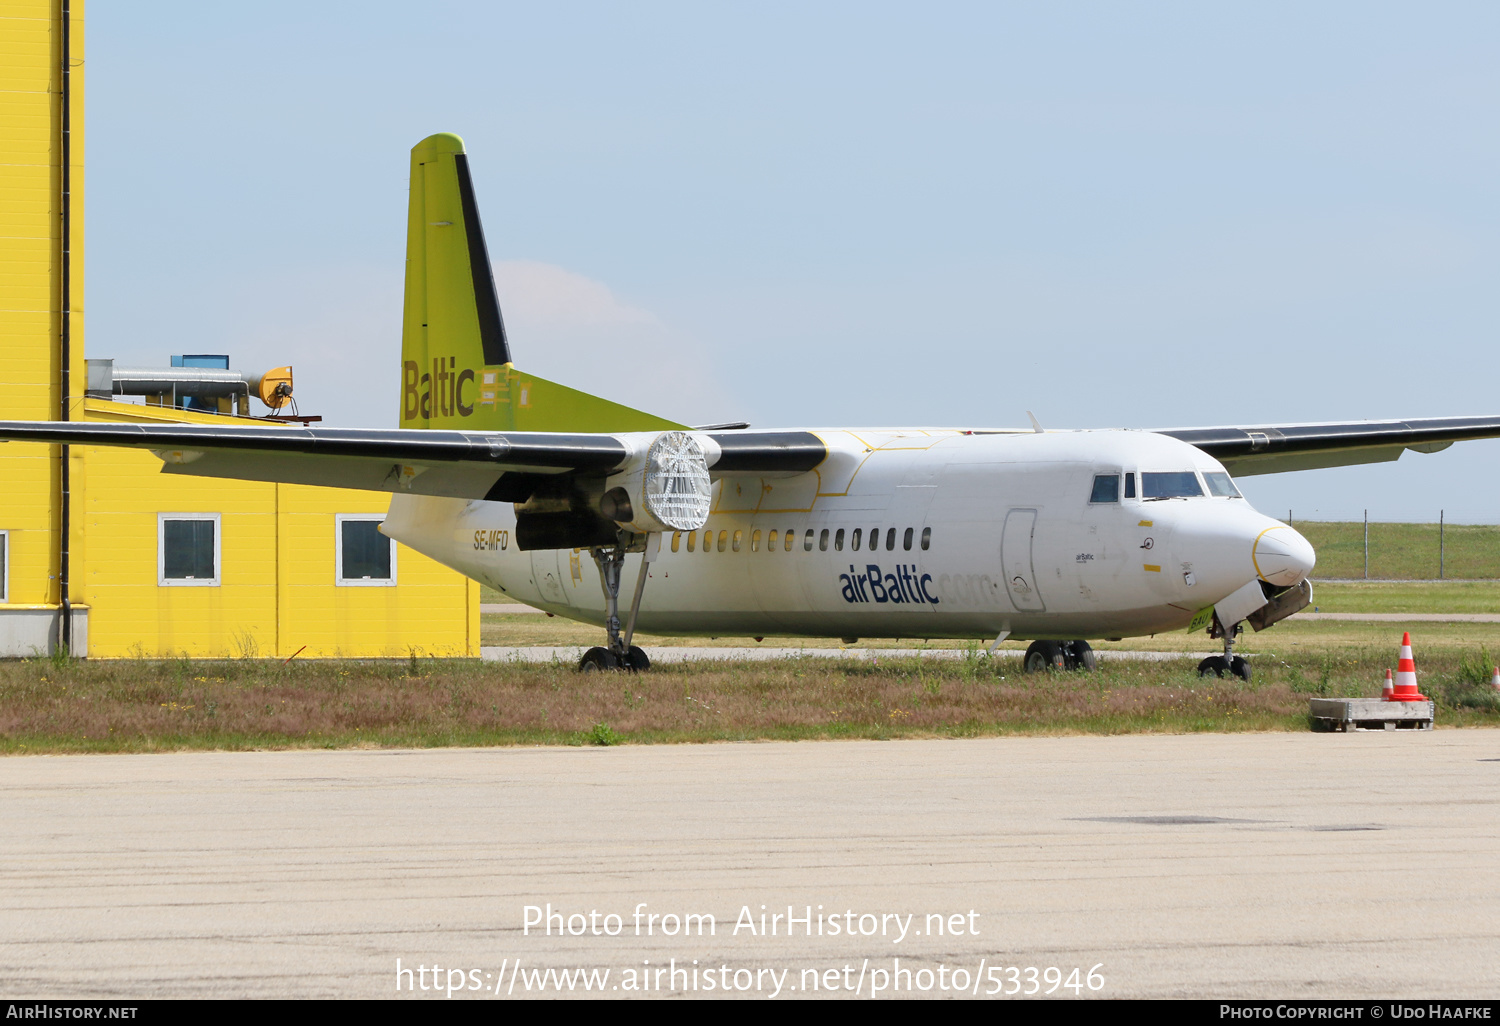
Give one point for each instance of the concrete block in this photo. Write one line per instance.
(1346, 714)
(28, 632)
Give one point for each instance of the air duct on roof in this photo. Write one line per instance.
(273, 388)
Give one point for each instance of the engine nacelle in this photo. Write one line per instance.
(664, 488)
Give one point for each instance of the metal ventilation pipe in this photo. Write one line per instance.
(274, 387)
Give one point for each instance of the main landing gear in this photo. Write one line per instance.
(619, 654)
(1228, 664)
(1059, 655)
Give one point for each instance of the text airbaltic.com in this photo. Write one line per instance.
(513, 978)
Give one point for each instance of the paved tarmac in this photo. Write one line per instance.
(1265, 865)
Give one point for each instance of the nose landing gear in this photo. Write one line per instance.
(1228, 664)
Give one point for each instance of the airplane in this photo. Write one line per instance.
(1054, 536)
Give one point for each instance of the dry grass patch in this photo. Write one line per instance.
(157, 706)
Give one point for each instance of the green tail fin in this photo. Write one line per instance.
(456, 369)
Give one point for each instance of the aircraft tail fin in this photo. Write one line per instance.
(456, 367)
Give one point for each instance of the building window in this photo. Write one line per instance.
(4, 566)
(365, 557)
(187, 549)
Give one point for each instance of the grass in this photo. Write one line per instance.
(1407, 596)
(1404, 551)
(143, 706)
(62, 705)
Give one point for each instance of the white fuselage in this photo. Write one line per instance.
(1013, 543)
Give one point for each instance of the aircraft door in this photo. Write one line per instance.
(545, 570)
(1015, 561)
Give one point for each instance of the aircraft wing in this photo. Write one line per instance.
(1275, 449)
(460, 464)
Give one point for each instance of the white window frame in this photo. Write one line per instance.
(162, 579)
(5, 566)
(338, 553)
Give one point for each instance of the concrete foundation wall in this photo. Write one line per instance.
(31, 631)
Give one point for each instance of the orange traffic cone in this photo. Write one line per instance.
(1388, 692)
(1406, 675)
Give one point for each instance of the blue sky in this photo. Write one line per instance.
(1136, 215)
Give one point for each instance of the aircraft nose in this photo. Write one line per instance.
(1282, 556)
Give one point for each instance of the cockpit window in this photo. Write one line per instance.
(1220, 485)
(1106, 488)
(1178, 484)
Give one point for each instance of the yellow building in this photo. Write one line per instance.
(99, 552)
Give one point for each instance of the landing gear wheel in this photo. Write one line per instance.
(1042, 655)
(1240, 667)
(1215, 666)
(596, 659)
(1079, 655)
(637, 660)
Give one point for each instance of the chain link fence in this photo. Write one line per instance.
(1368, 547)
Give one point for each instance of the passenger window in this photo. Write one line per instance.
(926, 538)
(735, 543)
(708, 541)
(755, 542)
(854, 541)
(807, 540)
(791, 536)
(890, 539)
(838, 541)
(676, 540)
(823, 541)
(1129, 486)
(906, 540)
(723, 539)
(771, 540)
(1106, 488)
(693, 541)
